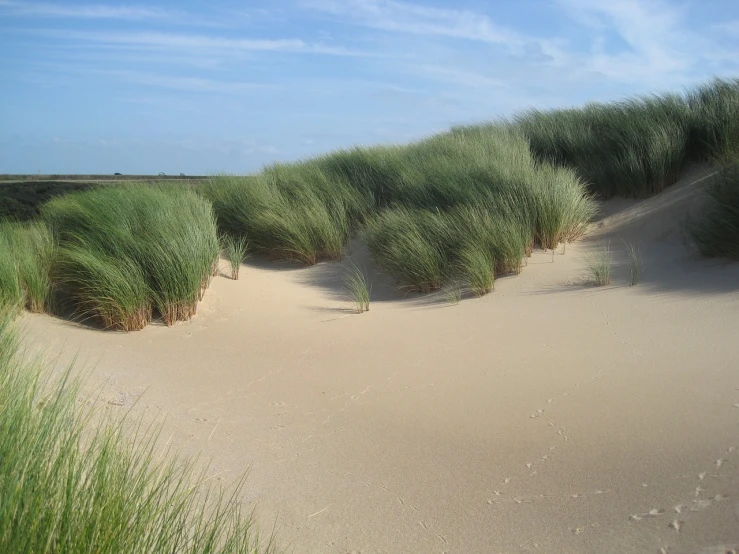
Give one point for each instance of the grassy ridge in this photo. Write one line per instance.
(289, 211)
(126, 250)
(637, 147)
(70, 486)
(474, 188)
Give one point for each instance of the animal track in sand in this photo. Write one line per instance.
(696, 504)
(501, 499)
(654, 512)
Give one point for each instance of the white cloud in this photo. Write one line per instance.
(661, 43)
(194, 84)
(174, 41)
(659, 46)
(83, 11)
(414, 18)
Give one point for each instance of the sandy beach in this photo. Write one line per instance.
(548, 416)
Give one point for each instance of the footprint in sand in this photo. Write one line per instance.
(654, 512)
(675, 525)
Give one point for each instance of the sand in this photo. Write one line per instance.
(548, 416)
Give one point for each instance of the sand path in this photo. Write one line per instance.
(549, 416)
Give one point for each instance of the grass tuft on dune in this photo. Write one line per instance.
(128, 249)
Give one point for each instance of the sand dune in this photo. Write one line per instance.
(549, 416)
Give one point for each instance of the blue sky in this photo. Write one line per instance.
(199, 88)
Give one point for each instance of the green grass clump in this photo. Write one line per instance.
(289, 212)
(477, 267)
(716, 232)
(111, 290)
(68, 485)
(27, 251)
(502, 237)
(477, 191)
(358, 288)
(126, 249)
(413, 245)
(453, 292)
(234, 249)
(598, 263)
(635, 262)
(562, 207)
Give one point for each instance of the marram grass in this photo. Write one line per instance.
(598, 262)
(234, 248)
(636, 265)
(27, 251)
(498, 189)
(716, 232)
(68, 485)
(358, 288)
(129, 249)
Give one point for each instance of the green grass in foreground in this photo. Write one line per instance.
(127, 249)
(70, 486)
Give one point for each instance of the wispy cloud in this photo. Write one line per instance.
(83, 11)
(660, 41)
(194, 84)
(413, 18)
(175, 41)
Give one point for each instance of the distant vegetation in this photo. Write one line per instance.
(21, 201)
(69, 485)
(454, 210)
